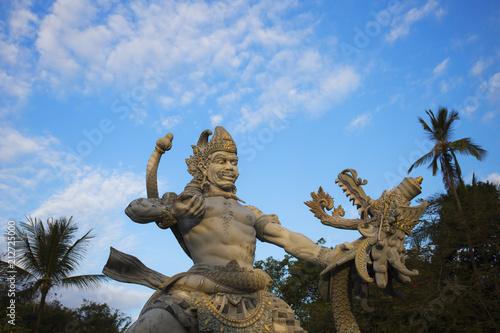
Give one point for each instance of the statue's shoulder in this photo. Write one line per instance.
(257, 212)
(262, 220)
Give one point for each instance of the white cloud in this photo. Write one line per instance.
(14, 86)
(13, 144)
(313, 89)
(96, 201)
(459, 43)
(360, 122)
(494, 87)
(479, 67)
(126, 298)
(488, 116)
(27, 164)
(201, 52)
(177, 35)
(22, 20)
(167, 101)
(444, 86)
(37, 166)
(441, 67)
(216, 119)
(92, 195)
(494, 178)
(187, 98)
(170, 122)
(401, 25)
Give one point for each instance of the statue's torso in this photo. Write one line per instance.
(226, 232)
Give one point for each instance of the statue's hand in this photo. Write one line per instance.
(336, 251)
(193, 207)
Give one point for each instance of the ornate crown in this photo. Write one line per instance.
(221, 141)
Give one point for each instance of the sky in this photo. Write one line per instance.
(305, 88)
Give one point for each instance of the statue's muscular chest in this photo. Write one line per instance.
(228, 210)
(225, 220)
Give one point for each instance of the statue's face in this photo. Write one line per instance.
(222, 170)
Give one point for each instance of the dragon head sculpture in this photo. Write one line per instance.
(383, 223)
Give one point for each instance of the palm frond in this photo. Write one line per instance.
(27, 294)
(445, 122)
(26, 255)
(75, 253)
(49, 254)
(424, 159)
(84, 281)
(467, 147)
(434, 164)
(21, 273)
(427, 128)
(444, 152)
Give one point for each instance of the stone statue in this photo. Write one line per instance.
(222, 292)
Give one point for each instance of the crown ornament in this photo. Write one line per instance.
(220, 141)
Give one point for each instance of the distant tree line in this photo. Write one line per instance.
(90, 317)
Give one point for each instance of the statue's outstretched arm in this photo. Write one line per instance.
(297, 244)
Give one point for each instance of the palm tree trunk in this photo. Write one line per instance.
(40, 311)
(464, 225)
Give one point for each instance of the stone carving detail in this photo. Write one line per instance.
(378, 256)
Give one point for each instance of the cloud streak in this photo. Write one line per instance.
(402, 25)
(441, 67)
(360, 122)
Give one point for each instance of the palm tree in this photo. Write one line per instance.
(444, 156)
(47, 256)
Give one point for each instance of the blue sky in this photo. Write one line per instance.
(306, 88)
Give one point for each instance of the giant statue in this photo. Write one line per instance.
(222, 292)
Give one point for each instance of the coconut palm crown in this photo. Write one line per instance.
(443, 154)
(46, 256)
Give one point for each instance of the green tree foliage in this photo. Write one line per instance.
(89, 317)
(296, 282)
(440, 242)
(46, 256)
(93, 317)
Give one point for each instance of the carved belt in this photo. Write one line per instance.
(241, 279)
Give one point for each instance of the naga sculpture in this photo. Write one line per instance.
(378, 255)
(222, 292)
